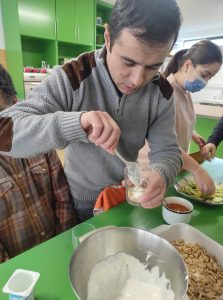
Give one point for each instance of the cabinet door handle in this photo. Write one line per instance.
(75, 32)
(78, 32)
(55, 28)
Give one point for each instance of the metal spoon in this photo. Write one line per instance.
(132, 168)
(165, 202)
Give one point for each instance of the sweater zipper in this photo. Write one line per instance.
(119, 106)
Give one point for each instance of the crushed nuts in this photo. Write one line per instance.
(205, 275)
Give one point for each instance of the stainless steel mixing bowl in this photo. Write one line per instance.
(135, 242)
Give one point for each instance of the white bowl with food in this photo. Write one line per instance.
(177, 210)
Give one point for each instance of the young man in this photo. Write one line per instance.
(35, 201)
(107, 99)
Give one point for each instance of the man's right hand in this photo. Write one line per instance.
(102, 130)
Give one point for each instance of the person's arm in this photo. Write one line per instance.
(165, 155)
(217, 134)
(3, 254)
(50, 119)
(201, 177)
(209, 150)
(63, 204)
(198, 139)
(43, 121)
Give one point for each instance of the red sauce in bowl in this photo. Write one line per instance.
(177, 207)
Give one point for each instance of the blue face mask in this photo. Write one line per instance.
(196, 85)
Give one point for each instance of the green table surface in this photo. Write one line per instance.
(52, 257)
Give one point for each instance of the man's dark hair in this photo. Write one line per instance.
(7, 89)
(150, 21)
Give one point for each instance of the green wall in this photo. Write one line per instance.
(204, 127)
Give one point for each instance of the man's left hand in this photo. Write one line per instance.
(155, 190)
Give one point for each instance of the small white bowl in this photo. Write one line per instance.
(172, 216)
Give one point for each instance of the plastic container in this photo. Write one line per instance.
(20, 285)
(135, 191)
(82, 231)
(190, 235)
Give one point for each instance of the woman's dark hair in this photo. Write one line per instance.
(154, 21)
(201, 53)
(7, 88)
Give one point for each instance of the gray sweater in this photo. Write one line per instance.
(49, 119)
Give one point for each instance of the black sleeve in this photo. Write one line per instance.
(217, 134)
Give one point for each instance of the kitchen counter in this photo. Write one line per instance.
(209, 111)
(52, 257)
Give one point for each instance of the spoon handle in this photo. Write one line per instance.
(120, 157)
